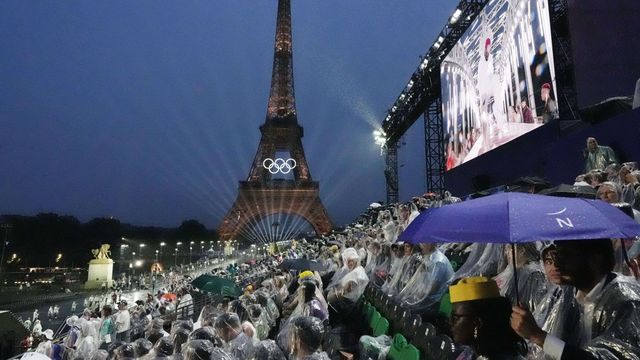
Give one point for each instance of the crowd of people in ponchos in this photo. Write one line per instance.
(576, 300)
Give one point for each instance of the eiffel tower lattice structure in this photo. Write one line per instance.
(263, 195)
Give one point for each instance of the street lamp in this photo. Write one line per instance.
(175, 260)
(6, 228)
(141, 246)
(190, 250)
(157, 251)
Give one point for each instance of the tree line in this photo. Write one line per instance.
(38, 240)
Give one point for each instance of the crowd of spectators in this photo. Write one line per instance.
(574, 299)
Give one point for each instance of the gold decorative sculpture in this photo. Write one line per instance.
(102, 253)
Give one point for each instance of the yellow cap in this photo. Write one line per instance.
(334, 248)
(474, 288)
(305, 274)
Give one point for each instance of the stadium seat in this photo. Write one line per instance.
(381, 327)
(374, 320)
(445, 305)
(401, 349)
(422, 336)
(410, 325)
(441, 347)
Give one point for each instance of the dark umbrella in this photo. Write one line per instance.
(201, 280)
(221, 286)
(302, 265)
(512, 218)
(566, 190)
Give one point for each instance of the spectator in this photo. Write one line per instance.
(611, 193)
(426, 287)
(306, 335)
(531, 281)
(610, 306)
(122, 322)
(480, 320)
(598, 157)
(557, 313)
(107, 331)
(237, 343)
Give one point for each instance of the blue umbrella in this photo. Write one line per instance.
(512, 218)
(520, 218)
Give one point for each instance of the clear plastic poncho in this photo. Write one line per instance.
(615, 328)
(532, 285)
(557, 314)
(203, 350)
(88, 341)
(242, 346)
(356, 280)
(402, 277)
(268, 350)
(484, 260)
(428, 284)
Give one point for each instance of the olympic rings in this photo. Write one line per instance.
(279, 165)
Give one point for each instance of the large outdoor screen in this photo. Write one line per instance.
(498, 81)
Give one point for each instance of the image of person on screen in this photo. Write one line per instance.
(550, 109)
(486, 89)
(527, 116)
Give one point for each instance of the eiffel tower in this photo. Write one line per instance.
(262, 195)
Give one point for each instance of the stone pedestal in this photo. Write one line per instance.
(100, 272)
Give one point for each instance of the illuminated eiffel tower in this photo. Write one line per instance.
(262, 195)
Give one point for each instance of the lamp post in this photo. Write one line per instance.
(178, 244)
(141, 246)
(162, 244)
(6, 228)
(157, 252)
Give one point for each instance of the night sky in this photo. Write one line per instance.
(148, 111)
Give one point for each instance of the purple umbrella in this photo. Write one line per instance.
(512, 218)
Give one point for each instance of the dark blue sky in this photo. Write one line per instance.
(148, 111)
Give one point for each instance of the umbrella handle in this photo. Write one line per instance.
(515, 272)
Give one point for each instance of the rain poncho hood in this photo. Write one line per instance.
(429, 283)
(354, 280)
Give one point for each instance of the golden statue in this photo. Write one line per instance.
(102, 253)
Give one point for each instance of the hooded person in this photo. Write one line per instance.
(429, 283)
(483, 260)
(404, 274)
(46, 345)
(373, 252)
(259, 320)
(74, 332)
(532, 285)
(309, 304)
(305, 339)
(203, 350)
(343, 298)
(237, 342)
(87, 342)
(37, 328)
(142, 347)
(382, 266)
(268, 350)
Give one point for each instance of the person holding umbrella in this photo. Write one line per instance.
(609, 304)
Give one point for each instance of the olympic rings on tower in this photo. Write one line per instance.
(279, 165)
